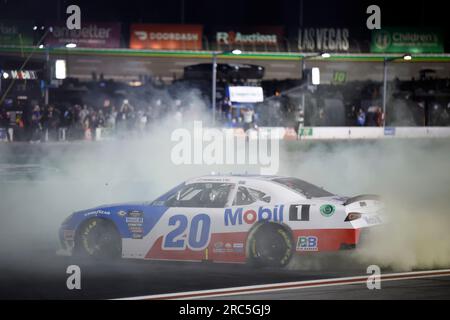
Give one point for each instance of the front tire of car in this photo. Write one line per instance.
(98, 239)
(269, 245)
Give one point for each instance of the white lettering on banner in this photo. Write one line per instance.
(8, 30)
(24, 74)
(413, 37)
(242, 38)
(323, 39)
(142, 35)
(222, 37)
(173, 36)
(89, 31)
(168, 36)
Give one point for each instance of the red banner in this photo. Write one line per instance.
(166, 36)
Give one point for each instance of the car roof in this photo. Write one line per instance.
(232, 178)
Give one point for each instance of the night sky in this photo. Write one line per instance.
(210, 13)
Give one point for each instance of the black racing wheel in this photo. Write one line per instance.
(269, 245)
(99, 239)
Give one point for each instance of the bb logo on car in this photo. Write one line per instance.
(309, 243)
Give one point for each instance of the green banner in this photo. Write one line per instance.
(407, 40)
(339, 77)
(305, 132)
(16, 33)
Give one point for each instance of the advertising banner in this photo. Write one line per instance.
(245, 94)
(91, 35)
(339, 77)
(166, 36)
(324, 39)
(407, 40)
(257, 36)
(20, 75)
(16, 33)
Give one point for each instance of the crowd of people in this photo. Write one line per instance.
(358, 104)
(82, 122)
(79, 122)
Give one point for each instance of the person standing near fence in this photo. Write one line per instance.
(36, 125)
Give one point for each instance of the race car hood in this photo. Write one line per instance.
(103, 210)
(112, 206)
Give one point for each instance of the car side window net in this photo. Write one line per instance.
(246, 196)
(201, 195)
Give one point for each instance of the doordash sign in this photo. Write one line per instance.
(166, 36)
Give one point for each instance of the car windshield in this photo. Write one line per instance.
(303, 187)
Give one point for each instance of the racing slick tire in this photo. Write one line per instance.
(269, 245)
(98, 239)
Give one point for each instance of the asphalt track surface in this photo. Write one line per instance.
(46, 279)
(406, 286)
(131, 278)
(29, 269)
(430, 288)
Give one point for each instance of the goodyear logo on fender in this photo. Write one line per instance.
(250, 216)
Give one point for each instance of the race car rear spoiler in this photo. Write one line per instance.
(361, 198)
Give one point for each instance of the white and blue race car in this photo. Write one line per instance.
(262, 220)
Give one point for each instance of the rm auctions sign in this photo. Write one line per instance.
(91, 35)
(407, 40)
(270, 36)
(166, 36)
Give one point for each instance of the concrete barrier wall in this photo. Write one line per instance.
(305, 133)
(332, 133)
(340, 133)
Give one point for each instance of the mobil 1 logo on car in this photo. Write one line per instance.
(241, 216)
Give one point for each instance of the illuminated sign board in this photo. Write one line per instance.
(244, 94)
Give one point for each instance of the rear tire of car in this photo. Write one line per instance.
(98, 239)
(269, 245)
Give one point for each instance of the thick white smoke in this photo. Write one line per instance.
(412, 175)
(79, 175)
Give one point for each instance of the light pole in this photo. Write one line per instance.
(406, 57)
(214, 78)
(213, 93)
(49, 69)
(324, 55)
(305, 57)
(48, 75)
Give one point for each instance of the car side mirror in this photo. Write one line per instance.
(266, 199)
